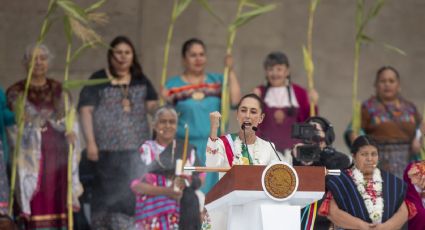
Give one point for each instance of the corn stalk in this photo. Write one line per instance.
(241, 19)
(76, 22)
(308, 52)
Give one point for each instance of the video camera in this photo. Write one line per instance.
(310, 151)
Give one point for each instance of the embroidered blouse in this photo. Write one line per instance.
(227, 151)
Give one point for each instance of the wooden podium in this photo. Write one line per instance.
(238, 202)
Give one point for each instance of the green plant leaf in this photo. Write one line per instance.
(207, 7)
(375, 10)
(94, 6)
(81, 49)
(51, 8)
(246, 17)
(181, 6)
(45, 28)
(73, 84)
(67, 28)
(73, 10)
(393, 48)
(366, 39)
(251, 3)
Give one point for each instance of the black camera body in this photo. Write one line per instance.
(310, 151)
(303, 131)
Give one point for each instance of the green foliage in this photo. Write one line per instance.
(208, 8)
(76, 84)
(73, 10)
(243, 18)
(95, 6)
(181, 6)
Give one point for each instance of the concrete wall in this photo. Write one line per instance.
(146, 23)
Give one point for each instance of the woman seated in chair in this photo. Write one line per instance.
(164, 200)
(365, 197)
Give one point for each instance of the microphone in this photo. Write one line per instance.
(244, 136)
(254, 128)
(274, 149)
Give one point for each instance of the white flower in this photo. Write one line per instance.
(376, 209)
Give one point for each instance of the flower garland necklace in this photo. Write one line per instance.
(371, 192)
(238, 159)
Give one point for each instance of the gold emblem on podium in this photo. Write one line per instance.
(280, 181)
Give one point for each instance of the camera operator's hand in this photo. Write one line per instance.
(215, 123)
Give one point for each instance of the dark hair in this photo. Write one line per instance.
(135, 68)
(382, 69)
(276, 58)
(189, 43)
(254, 96)
(190, 216)
(326, 126)
(361, 141)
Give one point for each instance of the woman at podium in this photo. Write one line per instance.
(243, 147)
(364, 196)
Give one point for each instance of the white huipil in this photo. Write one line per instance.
(261, 152)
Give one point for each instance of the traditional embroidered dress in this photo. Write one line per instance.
(394, 128)
(374, 201)
(160, 212)
(282, 111)
(229, 150)
(194, 103)
(43, 157)
(415, 194)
